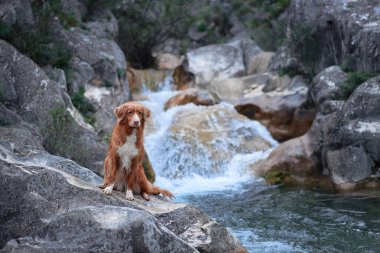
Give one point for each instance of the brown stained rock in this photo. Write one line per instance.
(182, 79)
(197, 97)
(282, 115)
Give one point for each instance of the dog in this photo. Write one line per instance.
(123, 164)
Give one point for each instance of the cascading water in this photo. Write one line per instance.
(202, 154)
(211, 152)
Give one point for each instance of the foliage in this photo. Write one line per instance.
(353, 81)
(58, 138)
(87, 109)
(276, 177)
(146, 24)
(305, 46)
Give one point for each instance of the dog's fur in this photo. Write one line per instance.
(123, 164)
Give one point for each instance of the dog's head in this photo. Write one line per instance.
(132, 114)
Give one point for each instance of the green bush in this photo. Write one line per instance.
(353, 81)
(304, 45)
(87, 109)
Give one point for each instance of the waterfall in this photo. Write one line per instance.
(210, 156)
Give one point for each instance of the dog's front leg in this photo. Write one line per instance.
(131, 180)
(110, 174)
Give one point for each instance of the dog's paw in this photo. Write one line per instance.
(108, 189)
(145, 196)
(129, 195)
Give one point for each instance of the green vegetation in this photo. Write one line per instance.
(276, 177)
(59, 136)
(58, 139)
(87, 109)
(353, 81)
(302, 43)
(37, 42)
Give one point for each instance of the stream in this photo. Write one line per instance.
(264, 218)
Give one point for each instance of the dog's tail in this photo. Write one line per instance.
(157, 190)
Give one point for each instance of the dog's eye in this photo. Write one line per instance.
(129, 112)
(140, 113)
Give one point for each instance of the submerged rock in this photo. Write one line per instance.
(52, 204)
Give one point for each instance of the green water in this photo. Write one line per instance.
(282, 219)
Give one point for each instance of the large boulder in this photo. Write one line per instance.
(327, 85)
(52, 204)
(350, 151)
(278, 105)
(215, 62)
(325, 33)
(40, 103)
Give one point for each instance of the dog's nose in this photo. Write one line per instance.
(136, 123)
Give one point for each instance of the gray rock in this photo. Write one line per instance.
(355, 125)
(54, 205)
(343, 32)
(105, 25)
(40, 103)
(37, 95)
(249, 47)
(16, 11)
(215, 62)
(327, 85)
(83, 73)
(349, 165)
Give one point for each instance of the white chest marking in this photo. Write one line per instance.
(128, 151)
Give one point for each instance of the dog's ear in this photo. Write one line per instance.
(146, 113)
(119, 113)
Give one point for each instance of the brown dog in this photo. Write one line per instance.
(123, 165)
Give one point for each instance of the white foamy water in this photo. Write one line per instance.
(169, 160)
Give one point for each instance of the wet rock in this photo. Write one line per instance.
(63, 210)
(206, 133)
(182, 79)
(348, 166)
(259, 63)
(215, 62)
(195, 96)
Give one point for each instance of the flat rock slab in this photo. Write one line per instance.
(51, 204)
